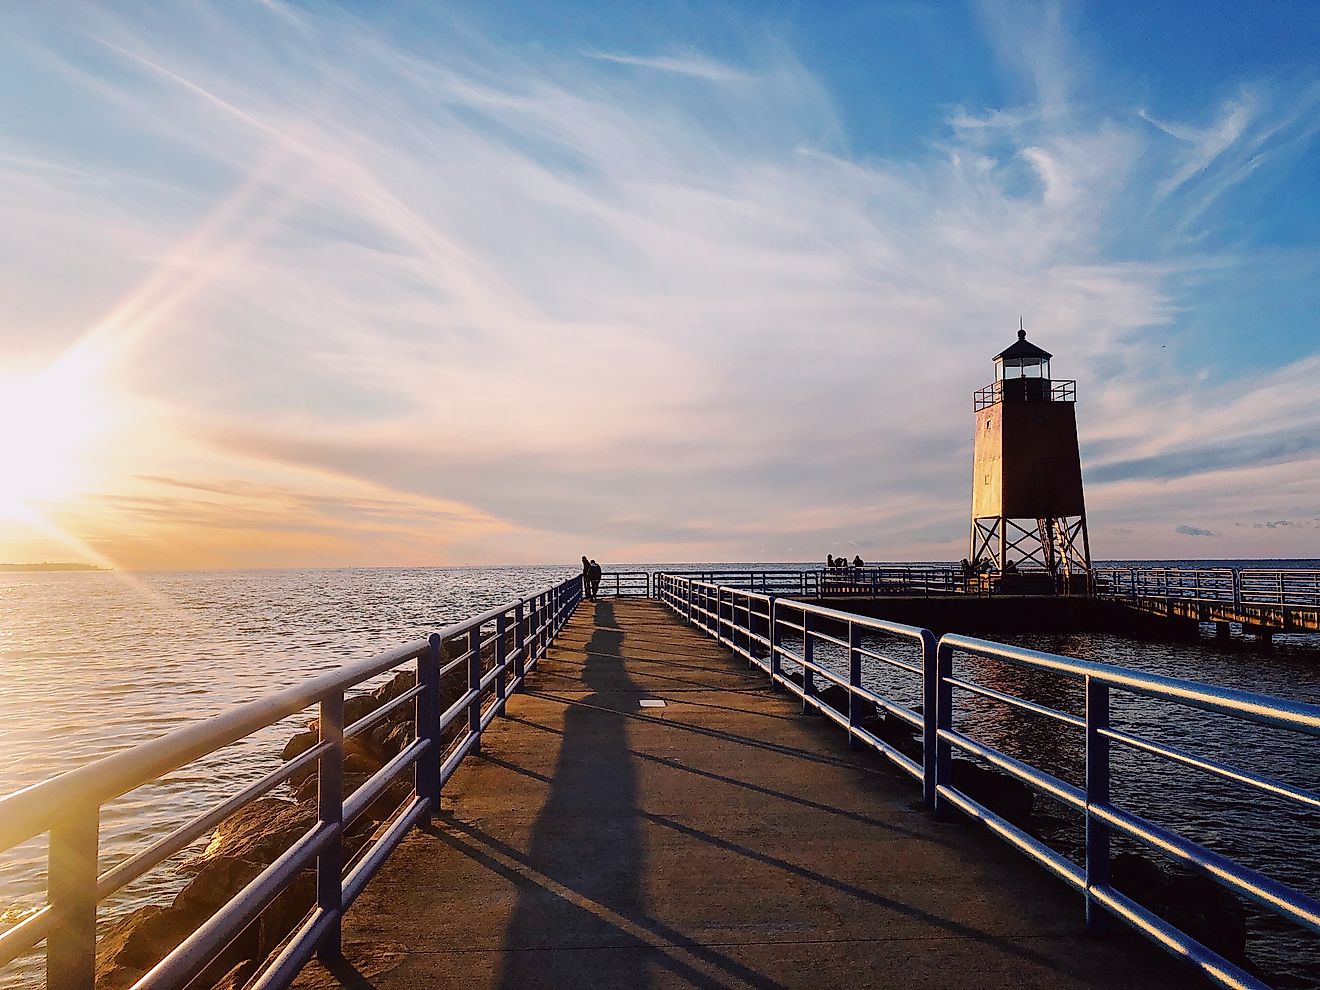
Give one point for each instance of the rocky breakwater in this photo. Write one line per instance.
(249, 841)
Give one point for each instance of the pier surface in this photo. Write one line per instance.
(721, 840)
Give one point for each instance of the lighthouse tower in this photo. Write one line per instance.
(1028, 514)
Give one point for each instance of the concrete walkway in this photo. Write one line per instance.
(723, 840)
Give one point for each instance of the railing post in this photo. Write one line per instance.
(474, 685)
(943, 723)
(774, 637)
(520, 646)
(719, 615)
(71, 880)
(854, 681)
(426, 774)
(808, 657)
(1097, 792)
(501, 662)
(929, 708)
(330, 807)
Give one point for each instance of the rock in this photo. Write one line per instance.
(896, 732)
(260, 831)
(1208, 913)
(400, 738)
(298, 745)
(404, 680)
(139, 940)
(376, 738)
(359, 706)
(834, 696)
(1010, 799)
(1137, 877)
(285, 912)
(238, 977)
(1197, 905)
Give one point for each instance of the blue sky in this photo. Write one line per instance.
(496, 282)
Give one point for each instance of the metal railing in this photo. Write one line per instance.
(1062, 390)
(878, 581)
(1187, 584)
(625, 584)
(1299, 588)
(755, 625)
(805, 582)
(765, 628)
(1280, 587)
(1103, 818)
(493, 651)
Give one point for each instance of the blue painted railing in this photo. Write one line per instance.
(756, 626)
(494, 651)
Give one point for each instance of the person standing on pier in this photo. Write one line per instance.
(593, 578)
(586, 578)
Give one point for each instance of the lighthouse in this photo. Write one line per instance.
(1028, 512)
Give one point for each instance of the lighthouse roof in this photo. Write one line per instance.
(1023, 348)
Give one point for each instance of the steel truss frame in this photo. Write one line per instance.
(1057, 545)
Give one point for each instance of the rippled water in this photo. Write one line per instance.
(95, 662)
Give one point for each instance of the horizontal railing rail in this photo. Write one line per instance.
(1282, 588)
(804, 582)
(493, 651)
(758, 626)
(1103, 817)
(625, 584)
(878, 581)
(770, 631)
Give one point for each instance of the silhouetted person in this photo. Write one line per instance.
(829, 560)
(593, 576)
(1010, 567)
(858, 562)
(586, 578)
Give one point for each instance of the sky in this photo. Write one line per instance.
(302, 284)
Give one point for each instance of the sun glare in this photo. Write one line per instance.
(47, 425)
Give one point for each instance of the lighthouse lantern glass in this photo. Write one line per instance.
(1006, 368)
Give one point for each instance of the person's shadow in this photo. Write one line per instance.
(586, 838)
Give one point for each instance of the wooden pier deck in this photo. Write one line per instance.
(721, 840)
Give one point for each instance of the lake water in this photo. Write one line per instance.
(96, 662)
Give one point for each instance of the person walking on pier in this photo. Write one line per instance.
(586, 578)
(593, 578)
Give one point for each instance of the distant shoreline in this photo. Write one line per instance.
(50, 566)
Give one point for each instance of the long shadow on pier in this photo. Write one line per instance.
(594, 786)
(576, 891)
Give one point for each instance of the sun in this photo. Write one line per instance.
(48, 424)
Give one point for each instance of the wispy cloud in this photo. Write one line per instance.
(481, 304)
(689, 64)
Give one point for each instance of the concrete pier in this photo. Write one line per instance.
(720, 840)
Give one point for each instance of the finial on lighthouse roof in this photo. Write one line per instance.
(1023, 349)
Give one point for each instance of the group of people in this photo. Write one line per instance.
(590, 579)
(973, 568)
(833, 561)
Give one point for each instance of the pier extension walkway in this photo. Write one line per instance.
(723, 839)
